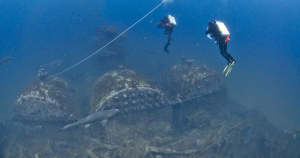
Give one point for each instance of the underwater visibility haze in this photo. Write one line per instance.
(66, 62)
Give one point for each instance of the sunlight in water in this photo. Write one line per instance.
(168, 1)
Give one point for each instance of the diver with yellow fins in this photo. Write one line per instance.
(168, 22)
(219, 31)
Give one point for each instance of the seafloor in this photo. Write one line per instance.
(201, 122)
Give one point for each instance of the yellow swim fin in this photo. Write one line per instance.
(225, 70)
(228, 69)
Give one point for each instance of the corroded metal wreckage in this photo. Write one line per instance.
(127, 91)
(211, 125)
(45, 100)
(145, 110)
(186, 81)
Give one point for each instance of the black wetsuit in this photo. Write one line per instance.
(165, 23)
(221, 40)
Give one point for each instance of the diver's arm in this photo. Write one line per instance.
(152, 22)
(158, 24)
(161, 25)
(208, 31)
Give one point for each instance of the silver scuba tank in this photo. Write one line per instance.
(172, 20)
(222, 28)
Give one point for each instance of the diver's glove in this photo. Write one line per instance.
(209, 36)
(153, 22)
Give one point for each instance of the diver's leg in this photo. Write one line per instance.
(166, 46)
(168, 31)
(223, 52)
(169, 34)
(228, 55)
(170, 37)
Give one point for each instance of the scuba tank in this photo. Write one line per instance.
(172, 20)
(222, 28)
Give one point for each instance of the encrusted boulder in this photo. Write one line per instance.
(45, 100)
(127, 91)
(186, 82)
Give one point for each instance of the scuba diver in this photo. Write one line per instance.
(219, 31)
(168, 22)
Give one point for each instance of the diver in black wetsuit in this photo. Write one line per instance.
(168, 22)
(219, 31)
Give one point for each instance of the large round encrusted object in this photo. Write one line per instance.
(186, 81)
(48, 100)
(127, 91)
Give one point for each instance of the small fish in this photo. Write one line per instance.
(55, 63)
(293, 131)
(21, 126)
(86, 121)
(248, 136)
(120, 67)
(5, 59)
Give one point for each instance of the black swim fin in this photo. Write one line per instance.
(166, 46)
